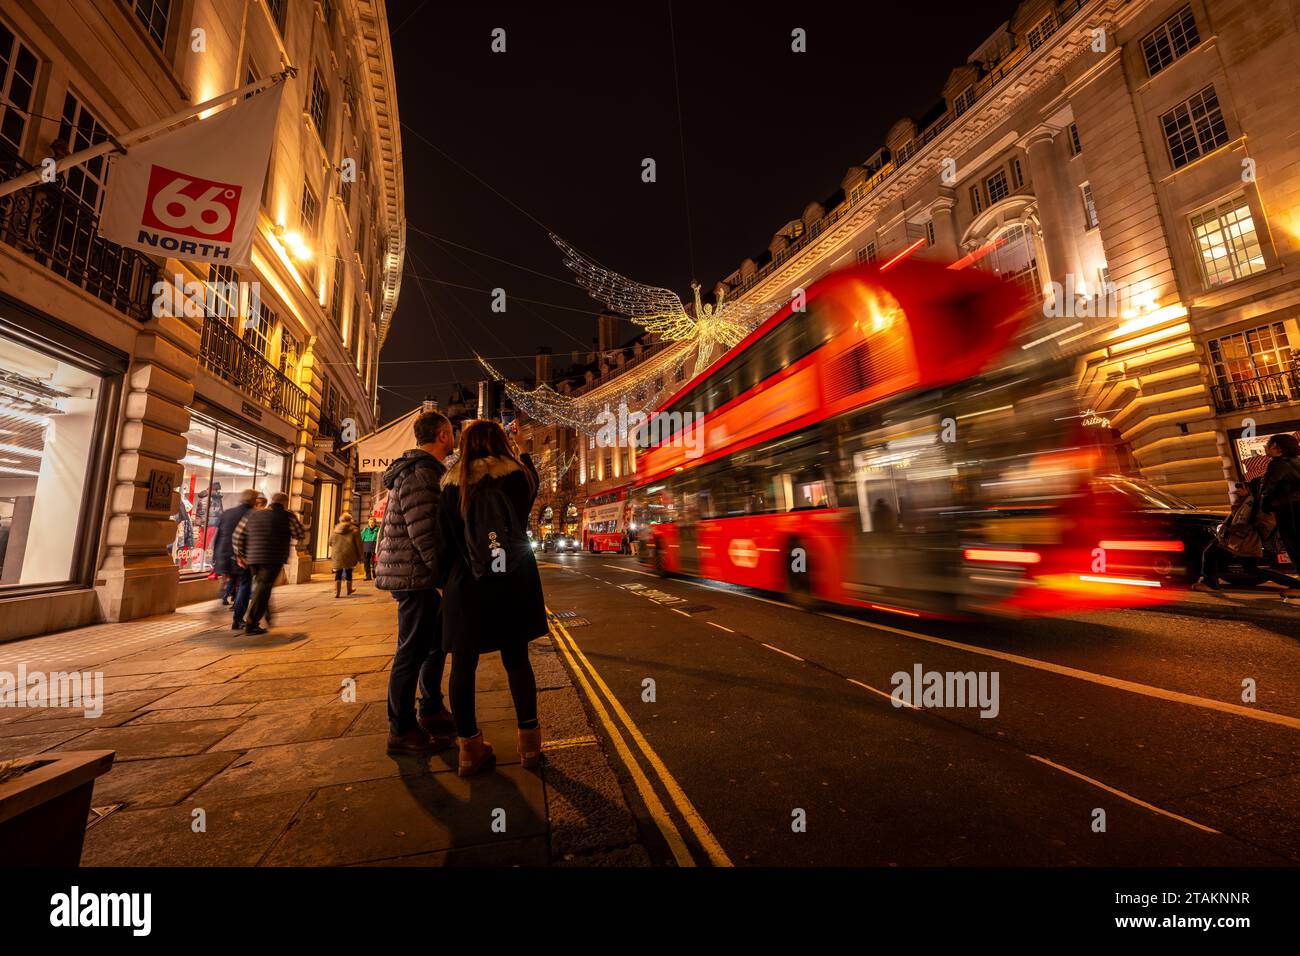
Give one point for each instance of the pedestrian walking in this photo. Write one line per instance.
(261, 543)
(239, 582)
(345, 551)
(493, 592)
(1280, 491)
(1242, 536)
(406, 565)
(369, 541)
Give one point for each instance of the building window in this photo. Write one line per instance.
(1017, 174)
(1015, 260)
(1170, 40)
(310, 206)
(277, 8)
(327, 8)
(290, 355)
(997, 187)
(1039, 34)
(1076, 146)
(1226, 242)
(1252, 354)
(153, 15)
(79, 130)
(1194, 127)
(336, 294)
(929, 232)
(964, 101)
(867, 253)
(260, 325)
(17, 79)
(320, 104)
(1089, 207)
(976, 200)
(221, 298)
(345, 195)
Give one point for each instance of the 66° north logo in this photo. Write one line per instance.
(189, 206)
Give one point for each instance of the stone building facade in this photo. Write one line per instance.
(135, 429)
(1134, 165)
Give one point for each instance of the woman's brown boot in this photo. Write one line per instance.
(337, 586)
(530, 746)
(475, 755)
(349, 585)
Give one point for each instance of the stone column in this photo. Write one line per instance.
(1052, 194)
(945, 229)
(302, 487)
(136, 575)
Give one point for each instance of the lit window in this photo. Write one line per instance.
(260, 325)
(1089, 207)
(1039, 34)
(964, 101)
(336, 295)
(1194, 127)
(1170, 40)
(1226, 242)
(1251, 354)
(17, 79)
(221, 300)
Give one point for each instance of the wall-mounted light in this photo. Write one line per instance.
(293, 243)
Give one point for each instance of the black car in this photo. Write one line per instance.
(560, 543)
(1174, 519)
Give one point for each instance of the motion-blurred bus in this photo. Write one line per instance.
(890, 447)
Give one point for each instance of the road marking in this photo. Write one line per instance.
(1124, 796)
(889, 697)
(786, 653)
(569, 742)
(1116, 683)
(649, 574)
(717, 855)
(720, 627)
(658, 812)
(682, 613)
(752, 597)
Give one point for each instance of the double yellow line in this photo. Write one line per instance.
(599, 695)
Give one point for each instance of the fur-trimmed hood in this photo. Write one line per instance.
(494, 466)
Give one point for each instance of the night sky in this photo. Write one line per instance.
(559, 124)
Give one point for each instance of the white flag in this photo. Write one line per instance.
(194, 193)
(379, 449)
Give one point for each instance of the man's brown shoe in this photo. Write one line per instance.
(439, 724)
(411, 742)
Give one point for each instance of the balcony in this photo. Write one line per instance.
(50, 224)
(1259, 392)
(223, 353)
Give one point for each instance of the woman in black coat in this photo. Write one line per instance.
(1280, 494)
(495, 611)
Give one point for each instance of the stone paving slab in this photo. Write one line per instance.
(291, 728)
(383, 819)
(237, 833)
(158, 783)
(176, 739)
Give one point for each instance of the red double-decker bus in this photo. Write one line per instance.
(605, 521)
(889, 446)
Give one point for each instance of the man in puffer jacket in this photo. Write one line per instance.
(406, 564)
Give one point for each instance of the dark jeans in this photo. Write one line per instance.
(419, 659)
(1216, 558)
(368, 558)
(519, 673)
(264, 577)
(343, 574)
(241, 586)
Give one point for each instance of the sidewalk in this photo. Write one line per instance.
(256, 733)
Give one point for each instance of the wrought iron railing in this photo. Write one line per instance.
(1258, 392)
(50, 224)
(229, 357)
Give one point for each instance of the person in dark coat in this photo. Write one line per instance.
(496, 612)
(261, 544)
(238, 583)
(406, 565)
(1280, 491)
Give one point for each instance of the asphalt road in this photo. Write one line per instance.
(768, 735)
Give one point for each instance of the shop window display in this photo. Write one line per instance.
(48, 410)
(219, 463)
